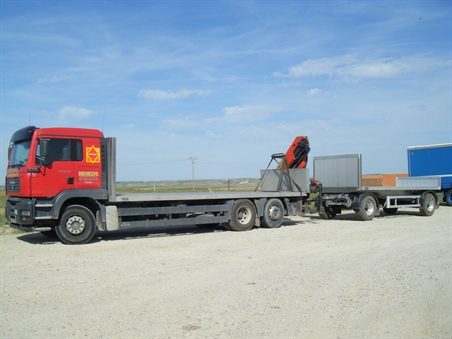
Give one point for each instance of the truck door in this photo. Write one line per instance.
(88, 172)
(54, 172)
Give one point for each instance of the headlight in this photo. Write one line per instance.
(25, 213)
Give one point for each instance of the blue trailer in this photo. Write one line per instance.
(433, 160)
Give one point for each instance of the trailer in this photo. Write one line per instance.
(62, 182)
(339, 186)
(433, 160)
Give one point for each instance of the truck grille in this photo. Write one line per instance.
(13, 184)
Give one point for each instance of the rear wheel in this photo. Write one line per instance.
(273, 214)
(368, 209)
(243, 216)
(428, 207)
(448, 197)
(77, 225)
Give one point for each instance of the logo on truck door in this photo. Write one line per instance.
(92, 154)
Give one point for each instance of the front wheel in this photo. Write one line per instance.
(243, 216)
(368, 209)
(273, 214)
(428, 207)
(77, 225)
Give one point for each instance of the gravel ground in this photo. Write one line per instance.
(311, 278)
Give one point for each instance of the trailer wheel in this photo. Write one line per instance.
(428, 207)
(328, 213)
(273, 214)
(448, 197)
(391, 211)
(77, 225)
(368, 209)
(243, 216)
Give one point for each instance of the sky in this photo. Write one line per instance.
(229, 83)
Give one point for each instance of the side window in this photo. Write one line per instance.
(59, 150)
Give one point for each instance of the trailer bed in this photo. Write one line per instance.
(340, 181)
(137, 197)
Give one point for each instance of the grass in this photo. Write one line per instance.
(4, 225)
(3, 220)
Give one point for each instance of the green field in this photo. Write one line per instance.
(3, 220)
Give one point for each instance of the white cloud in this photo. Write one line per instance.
(249, 113)
(53, 79)
(212, 135)
(130, 126)
(324, 66)
(74, 112)
(181, 123)
(169, 95)
(348, 67)
(314, 91)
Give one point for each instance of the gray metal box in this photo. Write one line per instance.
(419, 182)
(299, 176)
(339, 173)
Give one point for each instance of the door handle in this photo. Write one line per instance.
(70, 180)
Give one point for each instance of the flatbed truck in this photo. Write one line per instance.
(62, 182)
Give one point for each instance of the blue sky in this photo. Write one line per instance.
(230, 82)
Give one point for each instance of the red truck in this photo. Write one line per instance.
(62, 181)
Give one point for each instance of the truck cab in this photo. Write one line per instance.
(48, 167)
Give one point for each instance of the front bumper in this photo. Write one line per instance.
(30, 229)
(20, 211)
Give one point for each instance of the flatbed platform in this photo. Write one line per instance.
(137, 197)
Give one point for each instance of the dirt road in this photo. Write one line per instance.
(311, 278)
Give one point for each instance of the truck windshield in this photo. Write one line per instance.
(19, 153)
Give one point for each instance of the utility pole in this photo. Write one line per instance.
(192, 159)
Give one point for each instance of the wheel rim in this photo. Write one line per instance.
(274, 213)
(369, 208)
(244, 215)
(430, 205)
(75, 225)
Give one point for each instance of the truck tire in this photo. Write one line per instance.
(368, 209)
(77, 225)
(328, 213)
(448, 198)
(273, 213)
(243, 216)
(428, 206)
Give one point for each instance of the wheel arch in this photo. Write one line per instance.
(424, 194)
(87, 198)
(356, 204)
